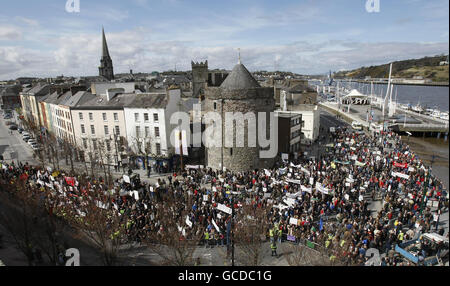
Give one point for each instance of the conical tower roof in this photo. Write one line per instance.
(239, 78)
(105, 52)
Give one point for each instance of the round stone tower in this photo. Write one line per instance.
(240, 96)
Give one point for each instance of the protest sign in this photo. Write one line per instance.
(215, 225)
(188, 222)
(293, 221)
(305, 189)
(126, 179)
(397, 174)
(224, 208)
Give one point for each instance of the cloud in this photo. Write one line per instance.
(79, 54)
(28, 21)
(10, 32)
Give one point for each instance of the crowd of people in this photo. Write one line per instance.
(362, 192)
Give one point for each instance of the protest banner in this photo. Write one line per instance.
(360, 164)
(70, 181)
(322, 189)
(397, 174)
(290, 238)
(305, 189)
(293, 181)
(401, 165)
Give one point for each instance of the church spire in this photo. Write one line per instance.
(106, 67)
(105, 52)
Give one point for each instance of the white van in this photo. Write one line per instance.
(357, 125)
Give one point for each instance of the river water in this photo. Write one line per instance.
(429, 96)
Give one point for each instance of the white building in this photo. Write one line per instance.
(148, 127)
(310, 127)
(99, 127)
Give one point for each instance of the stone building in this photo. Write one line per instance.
(240, 92)
(199, 77)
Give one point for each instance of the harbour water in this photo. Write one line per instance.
(436, 97)
(433, 152)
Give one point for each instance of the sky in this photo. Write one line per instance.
(43, 39)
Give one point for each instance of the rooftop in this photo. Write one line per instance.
(239, 78)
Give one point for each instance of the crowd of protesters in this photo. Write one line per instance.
(322, 201)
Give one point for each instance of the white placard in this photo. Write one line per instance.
(397, 174)
(305, 189)
(215, 225)
(224, 208)
(188, 222)
(293, 221)
(126, 179)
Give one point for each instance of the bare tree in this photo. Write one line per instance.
(171, 238)
(97, 220)
(250, 234)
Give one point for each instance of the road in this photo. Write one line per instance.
(14, 144)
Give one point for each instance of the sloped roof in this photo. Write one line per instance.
(101, 102)
(145, 100)
(355, 93)
(239, 78)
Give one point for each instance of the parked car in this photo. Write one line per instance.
(13, 127)
(36, 146)
(25, 133)
(20, 130)
(26, 138)
(31, 141)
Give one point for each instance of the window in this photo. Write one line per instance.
(215, 105)
(92, 129)
(147, 131)
(231, 151)
(106, 130)
(155, 117)
(82, 129)
(303, 124)
(116, 117)
(85, 143)
(104, 116)
(94, 144)
(156, 131)
(91, 117)
(108, 145)
(136, 117)
(117, 130)
(146, 117)
(158, 149)
(138, 131)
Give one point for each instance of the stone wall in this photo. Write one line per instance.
(253, 100)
